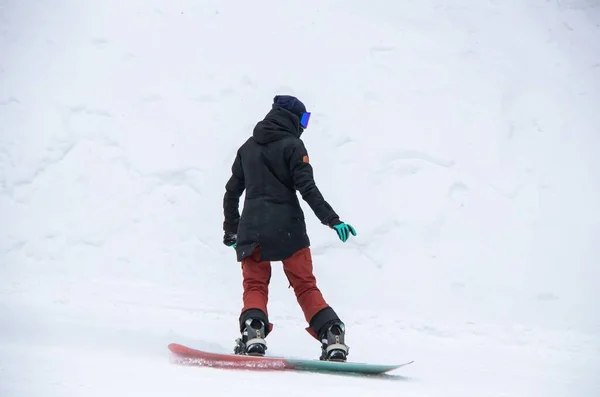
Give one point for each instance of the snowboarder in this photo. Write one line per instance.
(271, 166)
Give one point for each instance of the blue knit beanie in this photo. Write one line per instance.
(290, 103)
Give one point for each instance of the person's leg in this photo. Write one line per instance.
(299, 270)
(254, 320)
(324, 323)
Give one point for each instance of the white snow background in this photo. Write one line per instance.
(461, 139)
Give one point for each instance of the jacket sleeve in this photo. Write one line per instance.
(233, 190)
(304, 182)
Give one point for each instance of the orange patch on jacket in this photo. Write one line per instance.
(305, 159)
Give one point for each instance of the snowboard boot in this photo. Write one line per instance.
(252, 342)
(333, 347)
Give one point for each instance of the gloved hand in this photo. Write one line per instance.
(343, 229)
(230, 239)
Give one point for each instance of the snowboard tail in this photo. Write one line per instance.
(188, 355)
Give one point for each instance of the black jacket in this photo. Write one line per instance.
(270, 166)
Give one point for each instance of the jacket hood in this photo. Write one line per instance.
(279, 123)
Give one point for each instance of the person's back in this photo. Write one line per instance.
(272, 164)
(270, 167)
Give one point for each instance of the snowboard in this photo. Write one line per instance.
(188, 355)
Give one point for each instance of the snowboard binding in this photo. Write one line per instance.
(333, 347)
(252, 342)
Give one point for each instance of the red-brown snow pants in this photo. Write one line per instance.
(299, 270)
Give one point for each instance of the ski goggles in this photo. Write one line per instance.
(304, 119)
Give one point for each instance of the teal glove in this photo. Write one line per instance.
(343, 231)
(230, 239)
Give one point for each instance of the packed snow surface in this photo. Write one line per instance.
(460, 138)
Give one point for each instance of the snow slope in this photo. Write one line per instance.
(460, 139)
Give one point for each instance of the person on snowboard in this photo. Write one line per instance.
(271, 166)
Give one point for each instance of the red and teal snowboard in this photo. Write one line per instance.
(188, 355)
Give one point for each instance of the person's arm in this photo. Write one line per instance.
(233, 190)
(304, 182)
